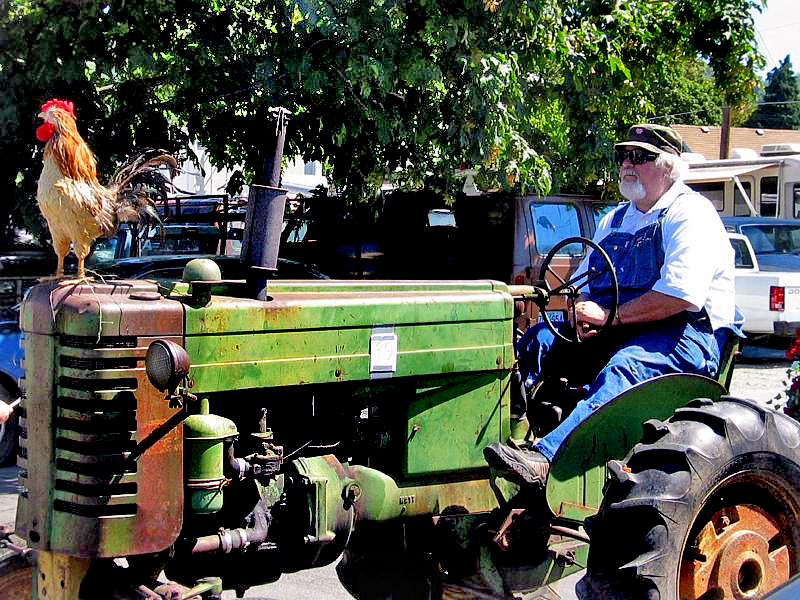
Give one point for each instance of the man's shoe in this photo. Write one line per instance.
(523, 467)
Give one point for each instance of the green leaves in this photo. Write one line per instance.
(780, 106)
(530, 94)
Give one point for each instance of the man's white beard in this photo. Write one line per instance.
(632, 190)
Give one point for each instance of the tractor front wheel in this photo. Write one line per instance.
(706, 506)
(16, 577)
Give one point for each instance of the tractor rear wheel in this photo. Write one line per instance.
(706, 506)
(16, 577)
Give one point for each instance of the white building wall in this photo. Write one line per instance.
(298, 176)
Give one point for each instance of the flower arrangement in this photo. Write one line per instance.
(792, 407)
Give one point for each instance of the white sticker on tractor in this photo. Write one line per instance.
(383, 351)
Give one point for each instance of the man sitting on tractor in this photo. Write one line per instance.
(675, 273)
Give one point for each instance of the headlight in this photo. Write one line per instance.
(166, 364)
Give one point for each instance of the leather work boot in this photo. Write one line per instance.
(523, 467)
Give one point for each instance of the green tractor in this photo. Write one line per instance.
(179, 438)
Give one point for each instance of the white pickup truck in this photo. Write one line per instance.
(770, 300)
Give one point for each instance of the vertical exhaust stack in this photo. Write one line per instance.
(262, 235)
(264, 219)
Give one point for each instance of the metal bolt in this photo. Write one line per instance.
(352, 492)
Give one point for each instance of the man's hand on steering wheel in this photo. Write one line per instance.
(571, 289)
(589, 317)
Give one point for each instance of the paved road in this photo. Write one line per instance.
(759, 379)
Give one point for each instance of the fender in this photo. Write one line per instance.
(577, 474)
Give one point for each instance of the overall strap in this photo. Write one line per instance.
(619, 213)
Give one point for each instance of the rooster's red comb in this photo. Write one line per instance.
(63, 104)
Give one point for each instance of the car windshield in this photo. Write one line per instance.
(773, 239)
(182, 240)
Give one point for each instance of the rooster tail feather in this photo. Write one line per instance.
(137, 182)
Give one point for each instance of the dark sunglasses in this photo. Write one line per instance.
(637, 156)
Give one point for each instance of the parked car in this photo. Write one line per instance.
(768, 295)
(414, 235)
(11, 356)
(776, 243)
(171, 267)
(164, 253)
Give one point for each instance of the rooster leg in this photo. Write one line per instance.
(61, 247)
(81, 251)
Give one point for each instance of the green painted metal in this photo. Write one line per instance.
(329, 515)
(577, 474)
(201, 269)
(204, 435)
(452, 419)
(324, 336)
(378, 494)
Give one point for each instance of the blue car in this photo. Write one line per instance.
(776, 242)
(11, 371)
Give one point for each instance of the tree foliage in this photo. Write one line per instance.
(529, 94)
(686, 93)
(780, 106)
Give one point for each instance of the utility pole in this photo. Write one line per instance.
(725, 133)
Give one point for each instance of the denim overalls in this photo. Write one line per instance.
(623, 356)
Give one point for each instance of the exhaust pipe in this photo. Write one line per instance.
(262, 236)
(264, 219)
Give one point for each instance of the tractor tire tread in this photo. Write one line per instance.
(652, 495)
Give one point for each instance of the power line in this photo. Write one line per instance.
(694, 112)
(782, 26)
(765, 47)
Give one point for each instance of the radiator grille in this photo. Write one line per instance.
(89, 364)
(95, 427)
(90, 342)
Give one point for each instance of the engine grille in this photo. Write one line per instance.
(95, 426)
(101, 474)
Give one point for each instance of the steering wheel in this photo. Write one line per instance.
(571, 288)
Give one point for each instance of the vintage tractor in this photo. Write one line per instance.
(184, 437)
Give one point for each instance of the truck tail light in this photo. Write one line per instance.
(519, 280)
(776, 298)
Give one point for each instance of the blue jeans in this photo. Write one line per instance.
(614, 361)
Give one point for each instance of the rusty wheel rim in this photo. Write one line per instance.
(740, 553)
(17, 585)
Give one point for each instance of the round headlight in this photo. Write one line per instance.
(166, 364)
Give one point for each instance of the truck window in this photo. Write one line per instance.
(768, 197)
(552, 223)
(796, 200)
(104, 249)
(743, 258)
(773, 239)
(740, 208)
(714, 191)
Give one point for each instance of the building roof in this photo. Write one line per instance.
(705, 139)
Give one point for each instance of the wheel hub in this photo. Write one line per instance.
(738, 553)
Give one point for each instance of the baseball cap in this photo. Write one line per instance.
(656, 138)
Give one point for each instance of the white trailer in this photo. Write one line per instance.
(767, 184)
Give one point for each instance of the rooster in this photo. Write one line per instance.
(77, 207)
